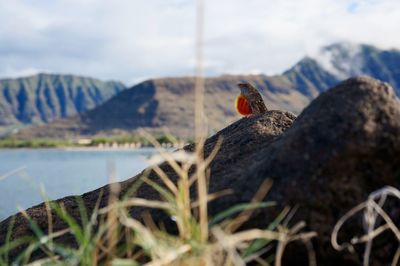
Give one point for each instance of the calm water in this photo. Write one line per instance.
(61, 173)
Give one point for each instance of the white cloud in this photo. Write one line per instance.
(129, 39)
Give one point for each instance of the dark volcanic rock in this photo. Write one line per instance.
(345, 145)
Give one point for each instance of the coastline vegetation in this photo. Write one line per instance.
(33, 143)
(128, 141)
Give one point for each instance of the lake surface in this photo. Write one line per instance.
(61, 173)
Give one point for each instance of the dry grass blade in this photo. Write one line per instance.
(167, 181)
(203, 208)
(214, 151)
(213, 196)
(371, 234)
(338, 226)
(170, 257)
(373, 208)
(261, 262)
(207, 161)
(13, 172)
(168, 157)
(54, 235)
(256, 256)
(292, 234)
(112, 214)
(228, 246)
(49, 219)
(312, 257)
(138, 202)
(147, 239)
(247, 235)
(245, 215)
(396, 257)
(230, 242)
(160, 252)
(45, 261)
(199, 123)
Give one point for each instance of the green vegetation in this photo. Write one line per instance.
(34, 143)
(95, 142)
(162, 139)
(23, 104)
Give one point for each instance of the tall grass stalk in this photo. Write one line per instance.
(199, 122)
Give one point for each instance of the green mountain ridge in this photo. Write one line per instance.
(42, 98)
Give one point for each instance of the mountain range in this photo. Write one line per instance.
(167, 103)
(42, 98)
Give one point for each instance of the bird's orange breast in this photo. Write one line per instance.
(242, 105)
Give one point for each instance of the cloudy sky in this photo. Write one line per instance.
(131, 40)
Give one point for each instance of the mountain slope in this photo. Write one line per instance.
(169, 102)
(309, 78)
(41, 98)
(344, 60)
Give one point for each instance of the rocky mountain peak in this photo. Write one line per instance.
(342, 60)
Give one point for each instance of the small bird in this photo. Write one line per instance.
(250, 101)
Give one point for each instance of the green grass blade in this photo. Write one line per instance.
(136, 185)
(168, 196)
(260, 243)
(82, 211)
(8, 238)
(24, 257)
(5, 249)
(72, 224)
(36, 229)
(236, 209)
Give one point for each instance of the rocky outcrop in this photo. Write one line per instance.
(342, 147)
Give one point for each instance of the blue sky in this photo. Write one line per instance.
(131, 40)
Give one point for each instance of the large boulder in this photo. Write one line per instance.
(342, 147)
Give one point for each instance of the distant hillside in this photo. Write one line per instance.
(168, 103)
(42, 98)
(340, 61)
(309, 78)
(344, 60)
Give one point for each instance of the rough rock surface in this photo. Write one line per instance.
(345, 145)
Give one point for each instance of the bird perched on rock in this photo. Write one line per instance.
(250, 101)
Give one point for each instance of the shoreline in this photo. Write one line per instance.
(121, 143)
(92, 148)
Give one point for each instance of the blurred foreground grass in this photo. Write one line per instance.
(109, 235)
